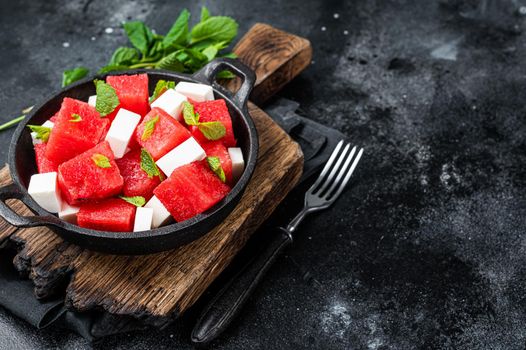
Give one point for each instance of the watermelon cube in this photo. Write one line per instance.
(44, 165)
(132, 91)
(113, 214)
(70, 137)
(90, 176)
(190, 190)
(217, 149)
(136, 180)
(167, 133)
(210, 111)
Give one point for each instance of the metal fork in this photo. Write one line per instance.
(329, 185)
(220, 312)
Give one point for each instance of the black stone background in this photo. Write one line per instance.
(426, 249)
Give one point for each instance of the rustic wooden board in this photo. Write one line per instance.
(158, 287)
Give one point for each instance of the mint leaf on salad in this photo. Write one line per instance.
(149, 166)
(214, 163)
(107, 99)
(138, 201)
(42, 132)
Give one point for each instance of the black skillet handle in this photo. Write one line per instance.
(13, 192)
(227, 303)
(208, 75)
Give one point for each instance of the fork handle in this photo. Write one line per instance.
(220, 312)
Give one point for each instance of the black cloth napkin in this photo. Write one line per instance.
(16, 294)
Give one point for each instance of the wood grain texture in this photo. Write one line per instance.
(276, 57)
(157, 288)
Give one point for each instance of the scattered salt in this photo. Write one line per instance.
(323, 28)
(345, 32)
(108, 30)
(65, 44)
(93, 38)
(336, 15)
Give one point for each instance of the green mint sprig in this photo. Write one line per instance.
(181, 49)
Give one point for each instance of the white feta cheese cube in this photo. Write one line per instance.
(160, 214)
(143, 219)
(197, 92)
(47, 124)
(68, 213)
(171, 102)
(186, 153)
(43, 189)
(238, 164)
(92, 100)
(121, 131)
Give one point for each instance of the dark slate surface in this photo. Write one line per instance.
(426, 250)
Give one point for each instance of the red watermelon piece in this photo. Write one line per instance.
(81, 180)
(69, 139)
(132, 91)
(190, 190)
(136, 180)
(167, 133)
(112, 214)
(210, 111)
(44, 165)
(217, 149)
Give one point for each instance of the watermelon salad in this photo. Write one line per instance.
(127, 161)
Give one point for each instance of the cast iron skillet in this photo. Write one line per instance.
(22, 165)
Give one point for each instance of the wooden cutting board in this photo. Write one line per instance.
(157, 288)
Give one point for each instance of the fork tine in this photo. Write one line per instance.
(327, 166)
(347, 177)
(341, 174)
(334, 170)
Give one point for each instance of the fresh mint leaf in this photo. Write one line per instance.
(72, 75)
(171, 62)
(189, 115)
(124, 56)
(139, 35)
(42, 132)
(178, 34)
(225, 74)
(205, 14)
(107, 69)
(149, 128)
(75, 118)
(216, 29)
(101, 160)
(160, 88)
(138, 201)
(212, 130)
(107, 99)
(148, 165)
(230, 55)
(214, 163)
(210, 52)
(156, 51)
